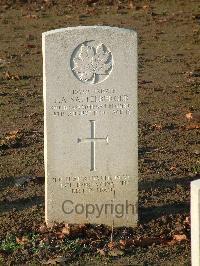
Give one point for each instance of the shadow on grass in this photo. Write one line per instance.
(20, 204)
(22, 181)
(150, 213)
(6, 182)
(166, 183)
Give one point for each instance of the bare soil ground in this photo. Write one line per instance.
(169, 148)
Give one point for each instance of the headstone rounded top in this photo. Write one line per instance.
(96, 27)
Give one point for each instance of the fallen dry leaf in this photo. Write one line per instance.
(180, 238)
(143, 242)
(157, 126)
(3, 62)
(10, 76)
(130, 4)
(22, 241)
(60, 235)
(188, 116)
(11, 140)
(193, 126)
(116, 252)
(193, 116)
(101, 251)
(61, 260)
(12, 135)
(187, 220)
(171, 242)
(31, 16)
(173, 168)
(122, 243)
(111, 245)
(145, 7)
(66, 230)
(43, 229)
(73, 230)
(31, 46)
(126, 243)
(7, 75)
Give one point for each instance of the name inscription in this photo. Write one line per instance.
(95, 102)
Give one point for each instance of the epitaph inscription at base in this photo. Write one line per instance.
(90, 102)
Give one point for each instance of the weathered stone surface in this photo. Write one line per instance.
(90, 101)
(195, 222)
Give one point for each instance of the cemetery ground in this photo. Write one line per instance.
(169, 81)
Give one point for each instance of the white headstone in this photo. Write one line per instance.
(90, 102)
(195, 222)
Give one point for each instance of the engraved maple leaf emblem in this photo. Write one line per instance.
(92, 62)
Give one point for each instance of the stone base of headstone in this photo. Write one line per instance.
(195, 222)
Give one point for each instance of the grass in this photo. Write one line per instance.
(9, 244)
(195, 169)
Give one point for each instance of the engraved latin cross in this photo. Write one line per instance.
(93, 141)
